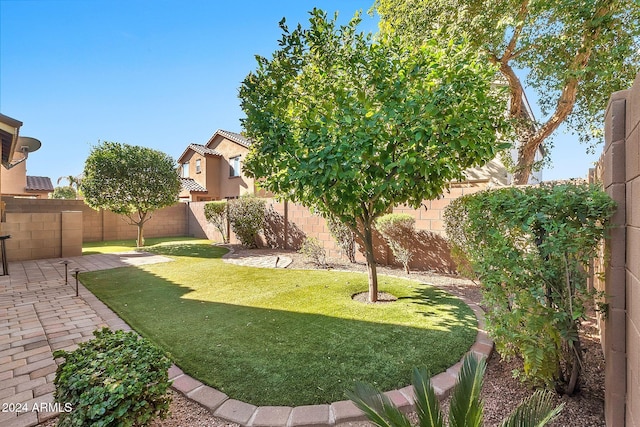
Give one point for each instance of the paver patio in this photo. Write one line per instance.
(40, 313)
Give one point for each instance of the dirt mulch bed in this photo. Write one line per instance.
(501, 392)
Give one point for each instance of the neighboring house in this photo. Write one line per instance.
(9, 131)
(16, 182)
(214, 171)
(13, 175)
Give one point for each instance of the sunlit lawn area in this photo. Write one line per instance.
(284, 337)
(130, 244)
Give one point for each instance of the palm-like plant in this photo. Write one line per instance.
(74, 182)
(466, 409)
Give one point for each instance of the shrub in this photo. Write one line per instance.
(114, 379)
(466, 408)
(313, 250)
(398, 230)
(246, 216)
(529, 247)
(216, 214)
(343, 235)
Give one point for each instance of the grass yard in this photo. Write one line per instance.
(130, 244)
(284, 337)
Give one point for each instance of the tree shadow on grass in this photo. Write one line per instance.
(267, 356)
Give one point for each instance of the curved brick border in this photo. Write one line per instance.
(220, 405)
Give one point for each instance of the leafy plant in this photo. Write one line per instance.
(216, 213)
(313, 249)
(116, 378)
(246, 216)
(352, 127)
(530, 247)
(466, 408)
(66, 192)
(399, 232)
(343, 235)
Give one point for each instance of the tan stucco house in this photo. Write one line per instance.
(214, 171)
(13, 175)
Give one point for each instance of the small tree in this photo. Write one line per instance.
(67, 192)
(353, 127)
(343, 235)
(246, 215)
(399, 232)
(314, 251)
(216, 213)
(129, 180)
(530, 247)
(466, 409)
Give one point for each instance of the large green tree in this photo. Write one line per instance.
(129, 180)
(353, 127)
(574, 54)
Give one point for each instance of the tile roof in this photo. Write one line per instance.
(235, 137)
(39, 183)
(201, 149)
(191, 185)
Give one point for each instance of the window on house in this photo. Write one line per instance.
(234, 166)
(198, 169)
(185, 170)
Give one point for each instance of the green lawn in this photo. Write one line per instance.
(130, 245)
(284, 337)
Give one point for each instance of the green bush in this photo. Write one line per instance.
(343, 235)
(399, 232)
(247, 217)
(67, 192)
(216, 214)
(530, 247)
(313, 250)
(116, 379)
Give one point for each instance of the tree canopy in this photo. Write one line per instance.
(353, 127)
(129, 180)
(574, 54)
(65, 192)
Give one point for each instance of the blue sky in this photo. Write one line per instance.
(157, 73)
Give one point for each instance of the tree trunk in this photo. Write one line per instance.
(371, 263)
(576, 363)
(140, 239)
(142, 219)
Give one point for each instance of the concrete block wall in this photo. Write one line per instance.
(45, 228)
(632, 178)
(288, 224)
(619, 170)
(33, 235)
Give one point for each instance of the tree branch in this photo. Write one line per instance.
(522, 13)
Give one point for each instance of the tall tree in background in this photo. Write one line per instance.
(74, 183)
(575, 52)
(352, 128)
(129, 180)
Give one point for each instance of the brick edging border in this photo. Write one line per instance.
(245, 414)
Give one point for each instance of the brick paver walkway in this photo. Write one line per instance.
(39, 313)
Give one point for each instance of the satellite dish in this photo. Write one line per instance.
(26, 144)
